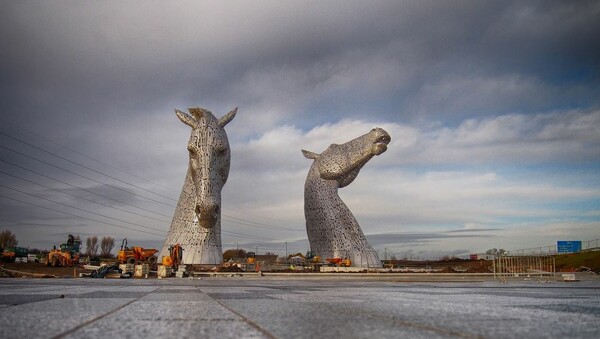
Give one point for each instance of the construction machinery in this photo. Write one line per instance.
(136, 255)
(343, 262)
(12, 254)
(175, 256)
(296, 259)
(299, 258)
(250, 261)
(250, 258)
(66, 255)
(312, 257)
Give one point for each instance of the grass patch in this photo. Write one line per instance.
(589, 259)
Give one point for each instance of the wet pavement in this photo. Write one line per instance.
(242, 307)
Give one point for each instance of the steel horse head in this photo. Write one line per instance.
(209, 155)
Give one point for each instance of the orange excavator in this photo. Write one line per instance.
(136, 254)
(175, 256)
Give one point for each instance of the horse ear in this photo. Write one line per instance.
(186, 118)
(309, 154)
(227, 117)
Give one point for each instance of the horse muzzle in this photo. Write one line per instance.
(208, 215)
(382, 139)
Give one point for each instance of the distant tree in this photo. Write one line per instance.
(496, 252)
(91, 246)
(8, 239)
(233, 253)
(106, 246)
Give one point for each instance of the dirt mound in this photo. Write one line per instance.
(38, 270)
(5, 274)
(230, 269)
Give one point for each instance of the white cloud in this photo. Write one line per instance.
(558, 137)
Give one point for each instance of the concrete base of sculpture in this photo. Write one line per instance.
(333, 232)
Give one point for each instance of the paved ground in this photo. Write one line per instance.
(236, 307)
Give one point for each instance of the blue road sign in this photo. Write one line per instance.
(568, 246)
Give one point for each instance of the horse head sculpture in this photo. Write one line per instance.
(343, 162)
(332, 229)
(209, 154)
(196, 224)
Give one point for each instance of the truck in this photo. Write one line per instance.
(14, 254)
(341, 262)
(136, 255)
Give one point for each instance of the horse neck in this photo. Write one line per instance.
(187, 196)
(318, 188)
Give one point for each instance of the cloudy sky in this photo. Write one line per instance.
(493, 109)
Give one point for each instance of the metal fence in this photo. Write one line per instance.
(524, 266)
(589, 245)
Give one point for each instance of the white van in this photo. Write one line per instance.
(33, 258)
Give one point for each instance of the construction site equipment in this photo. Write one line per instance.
(181, 271)
(312, 258)
(126, 268)
(296, 258)
(251, 261)
(141, 270)
(309, 258)
(175, 256)
(66, 255)
(11, 254)
(250, 258)
(136, 254)
(164, 271)
(345, 262)
(33, 258)
(107, 271)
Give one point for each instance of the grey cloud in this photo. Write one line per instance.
(564, 137)
(108, 58)
(414, 238)
(474, 230)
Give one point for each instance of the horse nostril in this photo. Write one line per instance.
(209, 211)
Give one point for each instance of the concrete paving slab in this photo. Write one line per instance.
(297, 308)
(110, 328)
(48, 318)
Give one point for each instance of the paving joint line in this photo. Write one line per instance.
(246, 320)
(80, 326)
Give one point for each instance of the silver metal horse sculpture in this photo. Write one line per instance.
(196, 224)
(332, 229)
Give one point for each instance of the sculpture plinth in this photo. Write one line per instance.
(196, 224)
(332, 229)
